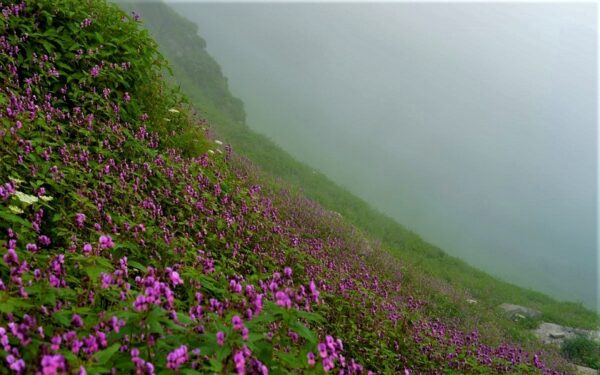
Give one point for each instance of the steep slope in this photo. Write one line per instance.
(132, 243)
(200, 78)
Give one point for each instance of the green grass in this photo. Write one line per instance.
(202, 80)
(582, 351)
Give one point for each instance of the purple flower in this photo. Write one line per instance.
(80, 219)
(11, 257)
(287, 271)
(328, 364)
(322, 350)
(140, 303)
(85, 23)
(87, 249)
(17, 365)
(77, 321)
(174, 277)
(330, 342)
(95, 71)
(240, 362)
(311, 358)
(106, 280)
(258, 304)
(53, 364)
(177, 357)
(314, 291)
(106, 242)
(237, 322)
(283, 299)
(44, 240)
(235, 286)
(220, 338)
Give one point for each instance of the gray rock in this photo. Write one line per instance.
(551, 333)
(512, 310)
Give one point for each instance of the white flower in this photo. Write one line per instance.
(219, 151)
(211, 152)
(166, 119)
(46, 198)
(173, 110)
(26, 198)
(218, 142)
(16, 180)
(15, 209)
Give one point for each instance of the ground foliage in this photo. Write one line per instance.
(131, 243)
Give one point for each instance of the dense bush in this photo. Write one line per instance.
(128, 245)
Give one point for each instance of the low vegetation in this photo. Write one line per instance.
(133, 243)
(583, 351)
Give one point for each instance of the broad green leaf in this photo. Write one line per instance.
(104, 355)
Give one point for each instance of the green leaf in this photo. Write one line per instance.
(47, 46)
(63, 318)
(136, 265)
(11, 304)
(184, 318)
(154, 319)
(12, 218)
(189, 371)
(304, 332)
(310, 316)
(291, 360)
(263, 351)
(104, 355)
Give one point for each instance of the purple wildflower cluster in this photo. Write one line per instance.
(177, 357)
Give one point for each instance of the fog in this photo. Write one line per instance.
(475, 125)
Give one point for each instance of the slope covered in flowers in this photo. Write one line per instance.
(131, 243)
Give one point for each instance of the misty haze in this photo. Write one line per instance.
(472, 124)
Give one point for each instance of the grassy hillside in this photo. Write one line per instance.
(132, 243)
(201, 79)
